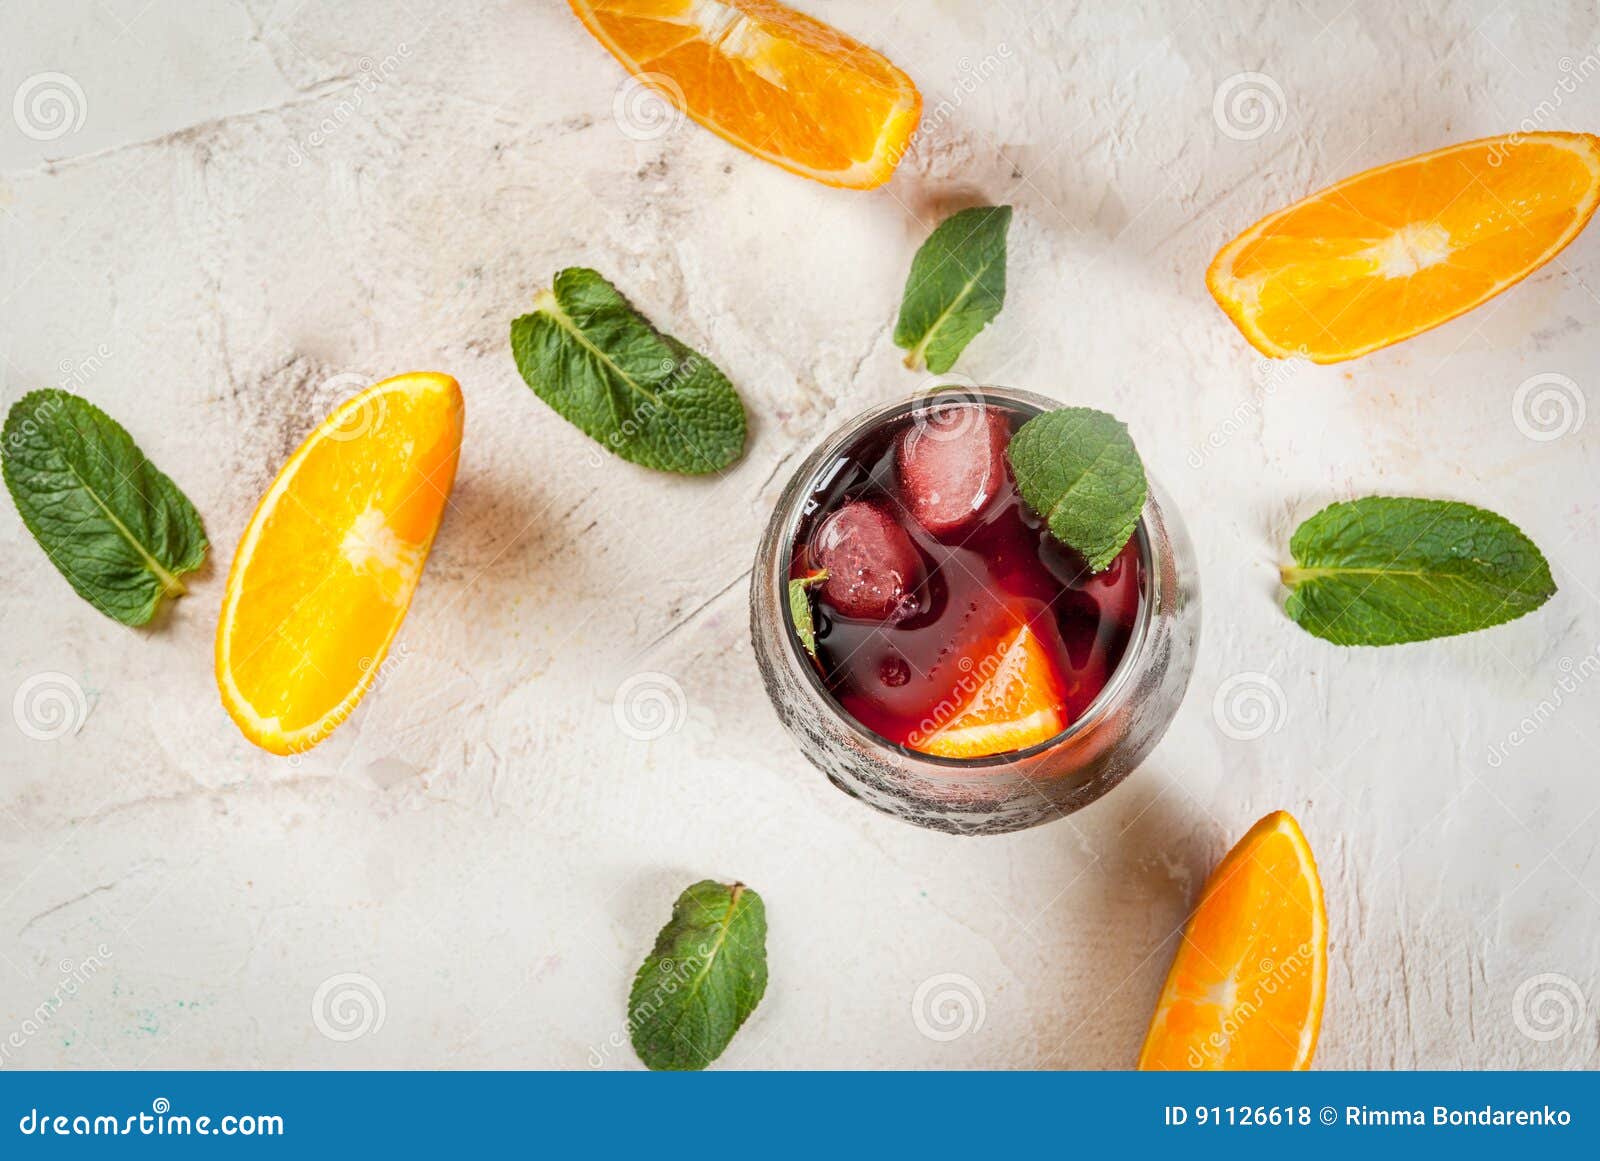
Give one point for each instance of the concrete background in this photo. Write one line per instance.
(229, 214)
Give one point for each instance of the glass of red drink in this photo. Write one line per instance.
(970, 673)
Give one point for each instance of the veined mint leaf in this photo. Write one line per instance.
(706, 974)
(1078, 468)
(641, 394)
(800, 608)
(1385, 570)
(117, 529)
(956, 287)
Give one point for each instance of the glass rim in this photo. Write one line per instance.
(1121, 677)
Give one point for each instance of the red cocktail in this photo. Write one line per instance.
(950, 621)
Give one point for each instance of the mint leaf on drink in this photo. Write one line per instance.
(800, 608)
(1386, 570)
(641, 394)
(704, 977)
(956, 287)
(118, 529)
(1078, 469)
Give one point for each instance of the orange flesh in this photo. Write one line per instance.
(1397, 250)
(325, 570)
(771, 80)
(1247, 985)
(1016, 704)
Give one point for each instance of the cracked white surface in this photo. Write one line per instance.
(264, 196)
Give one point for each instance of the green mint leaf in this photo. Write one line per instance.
(1078, 469)
(706, 974)
(641, 394)
(956, 287)
(800, 608)
(117, 529)
(1386, 570)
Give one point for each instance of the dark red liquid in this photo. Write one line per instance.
(976, 586)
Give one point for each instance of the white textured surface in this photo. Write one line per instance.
(239, 219)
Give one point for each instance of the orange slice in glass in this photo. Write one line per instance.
(326, 568)
(1246, 988)
(774, 82)
(1399, 249)
(1014, 702)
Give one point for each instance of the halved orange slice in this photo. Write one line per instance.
(1246, 987)
(326, 568)
(1015, 702)
(1399, 249)
(772, 81)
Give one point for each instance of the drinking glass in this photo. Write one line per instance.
(1003, 792)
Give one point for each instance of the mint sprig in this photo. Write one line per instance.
(800, 608)
(640, 394)
(705, 975)
(119, 530)
(1078, 468)
(956, 287)
(1386, 570)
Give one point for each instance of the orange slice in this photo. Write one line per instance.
(1394, 251)
(1246, 988)
(1014, 703)
(326, 568)
(774, 82)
